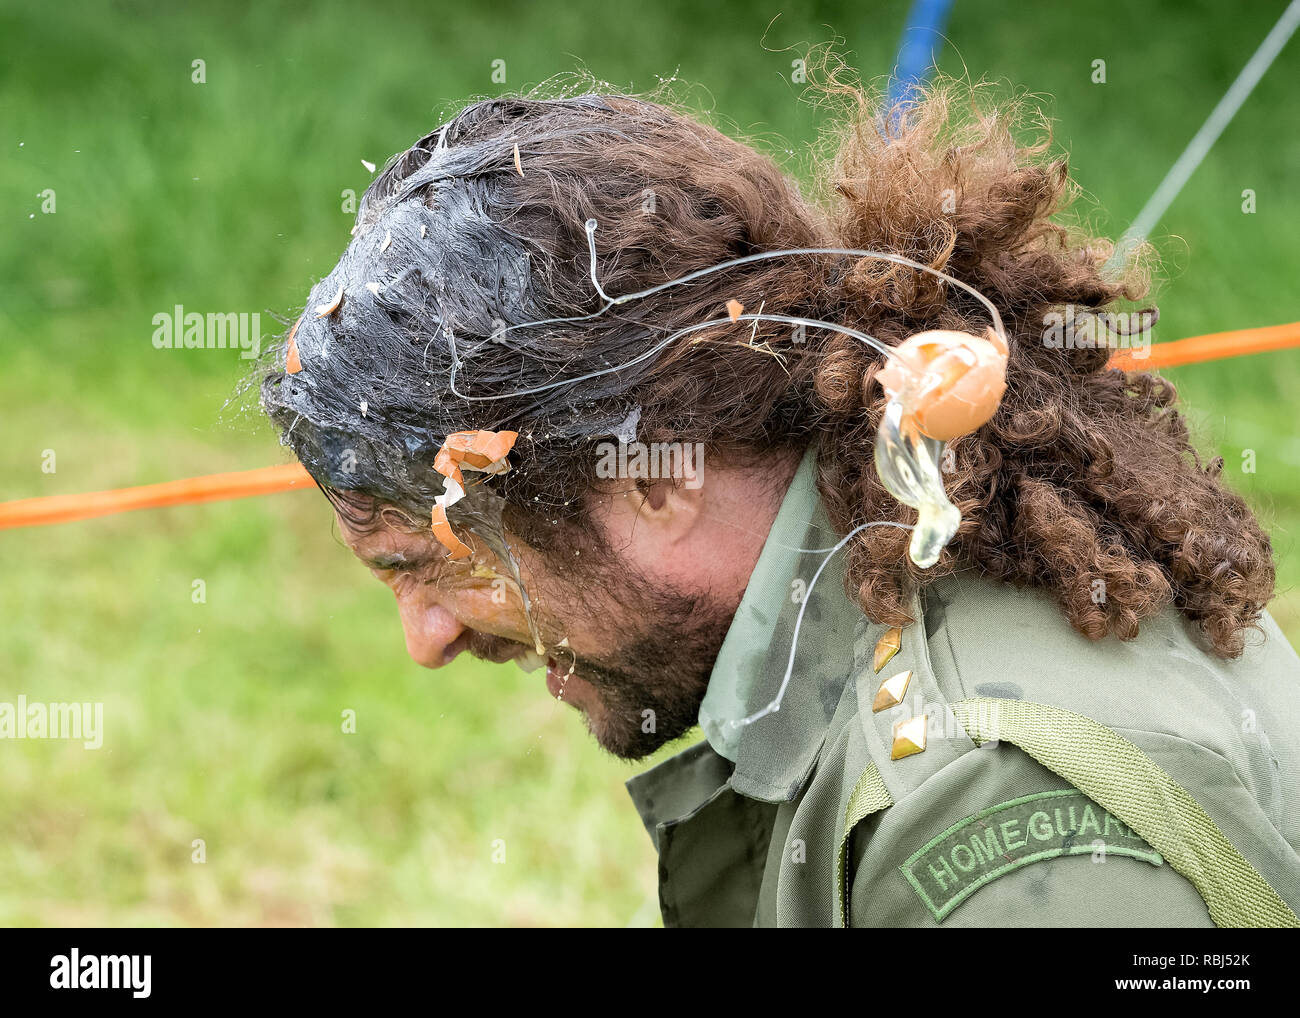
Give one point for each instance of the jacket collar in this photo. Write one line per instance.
(739, 664)
(775, 754)
(772, 757)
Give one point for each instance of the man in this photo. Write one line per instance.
(1081, 715)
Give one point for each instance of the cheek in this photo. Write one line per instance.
(494, 609)
(488, 604)
(569, 605)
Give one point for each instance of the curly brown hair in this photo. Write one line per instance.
(1085, 474)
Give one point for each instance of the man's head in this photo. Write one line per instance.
(469, 303)
(630, 572)
(628, 617)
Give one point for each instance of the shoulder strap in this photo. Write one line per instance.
(869, 796)
(1126, 782)
(1122, 779)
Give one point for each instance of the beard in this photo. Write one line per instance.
(649, 685)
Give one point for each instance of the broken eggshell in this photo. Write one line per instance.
(292, 362)
(949, 382)
(941, 385)
(441, 526)
(483, 451)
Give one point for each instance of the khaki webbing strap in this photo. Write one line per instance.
(869, 796)
(1126, 782)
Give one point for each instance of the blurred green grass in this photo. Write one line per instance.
(223, 719)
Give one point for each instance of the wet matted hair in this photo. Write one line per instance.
(1085, 474)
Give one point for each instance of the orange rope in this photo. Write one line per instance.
(31, 512)
(1210, 348)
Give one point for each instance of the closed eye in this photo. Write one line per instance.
(434, 570)
(386, 562)
(393, 563)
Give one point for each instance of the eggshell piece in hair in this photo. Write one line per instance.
(476, 450)
(292, 362)
(956, 379)
(324, 310)
(445, 463)
(456, 548)
(480, 449)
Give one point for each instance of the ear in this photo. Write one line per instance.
(662, 511)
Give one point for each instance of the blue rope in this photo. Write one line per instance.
(922, 38)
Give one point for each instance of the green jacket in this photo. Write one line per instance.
(1063, 781)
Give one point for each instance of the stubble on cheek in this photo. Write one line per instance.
(640, 654)
(648, 691)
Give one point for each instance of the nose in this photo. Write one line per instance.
(430, 631)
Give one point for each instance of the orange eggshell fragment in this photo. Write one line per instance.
(479, 448)
(456, 548)
(957, 380)
(292, 363)
(445, 463)
(735, 309)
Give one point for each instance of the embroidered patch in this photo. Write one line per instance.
(997, 840)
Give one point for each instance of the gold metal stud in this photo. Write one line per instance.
(891, 692)
(909, 737)
(886, 647)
